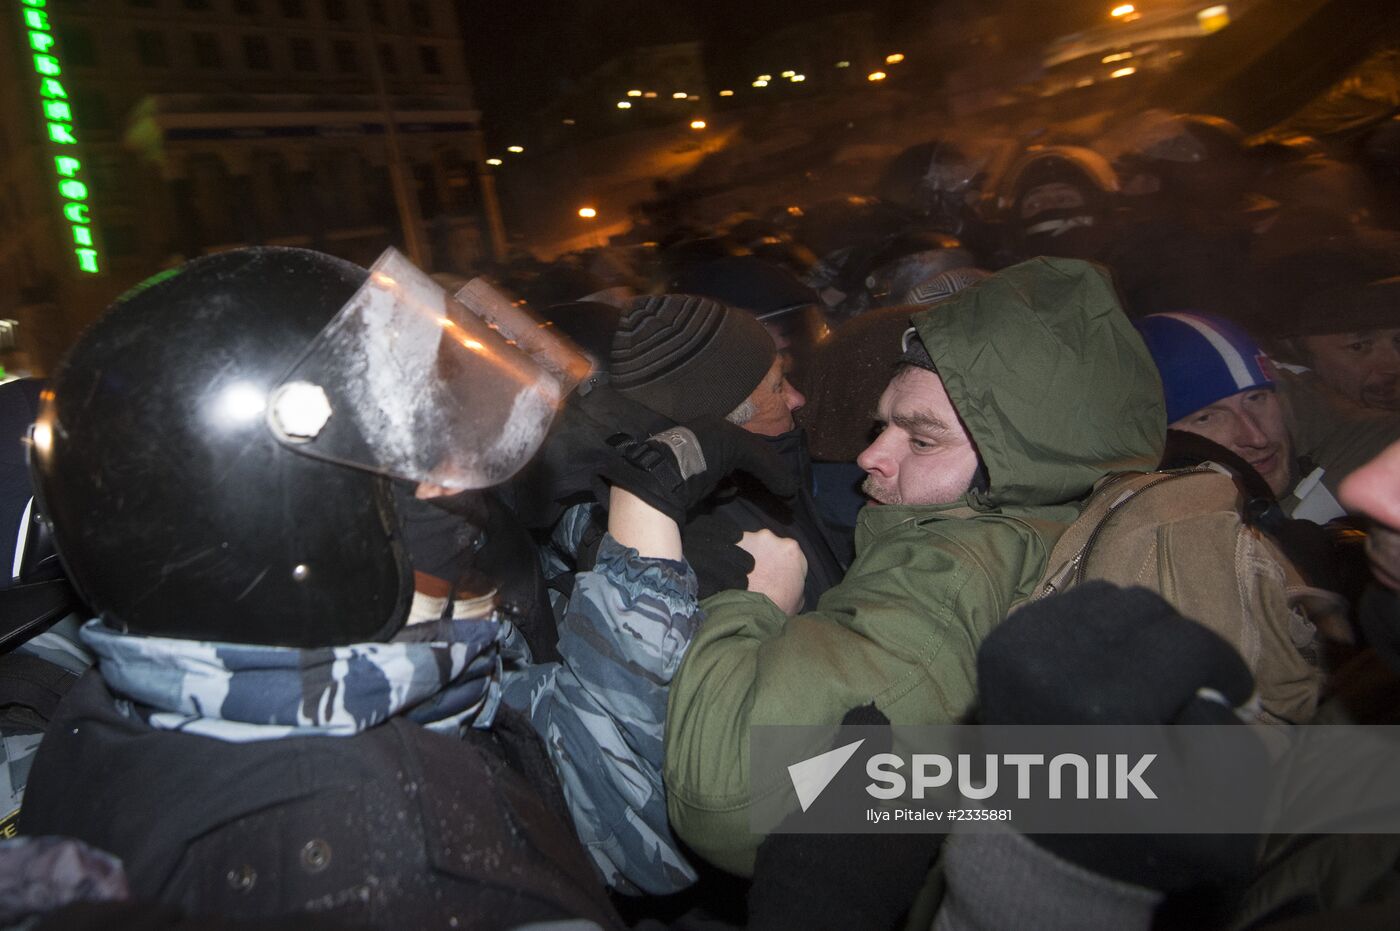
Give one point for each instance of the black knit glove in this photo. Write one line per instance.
(818, 881)
(576, 452)
(676, 469)
(710, 545)
(1099, 654)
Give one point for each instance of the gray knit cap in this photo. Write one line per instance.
(686, 356)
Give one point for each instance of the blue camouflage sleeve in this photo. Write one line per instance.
(603, 710)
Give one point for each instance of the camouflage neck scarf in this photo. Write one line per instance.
(444, 675)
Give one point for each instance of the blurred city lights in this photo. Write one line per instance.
(634, 93)
(493, 161)
(765, 77)
(624, 105)
(517, 149)
(843, 64)
(798, 78)
(678, 95)
(693, 97)
(894, 59)
(568, 122)
(697, 124)
(787, 74)
(1123, 72)
(1109, 59)
(876, 76)
(1122, 10)
(1213, 18)
(587, 213)
(760, 83)
(650, 95)
(726, 93)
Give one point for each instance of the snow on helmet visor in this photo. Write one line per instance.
(410, 382)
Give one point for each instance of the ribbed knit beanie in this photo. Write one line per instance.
(686, 356)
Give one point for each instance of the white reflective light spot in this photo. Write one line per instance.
(42, 437)
(240, 403)
(299, 411)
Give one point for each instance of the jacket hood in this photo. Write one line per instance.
(1052, 381)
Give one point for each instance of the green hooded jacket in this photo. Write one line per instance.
(1057, 390)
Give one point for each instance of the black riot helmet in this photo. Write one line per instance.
(207, 451)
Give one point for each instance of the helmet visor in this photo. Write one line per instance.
(410, 382)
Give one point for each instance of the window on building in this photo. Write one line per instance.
(377, 12)
(293, 9)
(256, 54)
(75, 44)
(151, 50)
(303, 54)
(428, 56)
(206, 50)
(419, 15)
(119, 239)
(387, 60)
(346, 59)
(335, 10)
(90, 110)
(247, 7)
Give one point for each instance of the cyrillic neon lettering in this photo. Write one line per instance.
(87, 259)
(58, 110)
(61, 134)
(47, 64)
(82, 235)
(40, 41)
(76, 213)
(67, 166)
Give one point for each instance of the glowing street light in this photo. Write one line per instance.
(678, 95)
(843, 64)
(634, 93)
(1122, 10)
(569, 122)
(894, 59)
(1120, 56)
(494, 161)
(726, 93)
(1123, 72)
(624, 104)
(650, 95)
(697, 124)
(787, 74)
(876, 76)
(798, 78)
(760, 83)
(516, 149)
(587, 213)
(765, 77)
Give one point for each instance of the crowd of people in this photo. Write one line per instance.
(358, 598)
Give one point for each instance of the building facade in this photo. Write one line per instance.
(135, 134)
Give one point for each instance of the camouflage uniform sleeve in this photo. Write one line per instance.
(603, 710)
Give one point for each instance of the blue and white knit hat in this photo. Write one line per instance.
(1202, 359)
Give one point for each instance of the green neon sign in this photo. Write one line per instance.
(58, 123)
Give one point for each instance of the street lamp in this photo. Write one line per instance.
(726, 93)
(624, 105)
(876, 76)
(587, 213)
(697, 124)
(894, 58)
(516, 149)
(496, 162)
(1122, 10)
